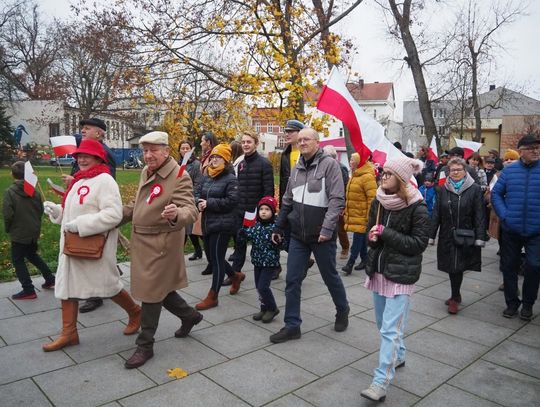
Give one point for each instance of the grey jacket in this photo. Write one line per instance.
(313, 200)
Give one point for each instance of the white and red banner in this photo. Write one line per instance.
(469, 147)
(30, 179)
(442, 178)
(250, 218)
(367, 134)
(185, 160)
(57, 189)
(433, 154)
(63, 145)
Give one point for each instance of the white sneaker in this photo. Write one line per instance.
(374, 393)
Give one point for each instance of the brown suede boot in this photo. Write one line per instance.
(69, 335)
(236, 281)
(134, 311)
(210, 301)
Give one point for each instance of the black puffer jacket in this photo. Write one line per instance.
(284, 171)
(467, 213)
(221, 194)
(255, 180)
(397, 254)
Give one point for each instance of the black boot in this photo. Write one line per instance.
(347, 268)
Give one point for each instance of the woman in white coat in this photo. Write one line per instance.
(91, 205)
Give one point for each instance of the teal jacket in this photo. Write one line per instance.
(22, 214)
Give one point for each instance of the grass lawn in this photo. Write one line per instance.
(50, 233)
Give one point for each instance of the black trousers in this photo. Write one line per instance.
(22, 251)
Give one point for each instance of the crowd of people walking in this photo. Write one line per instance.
(228, 195)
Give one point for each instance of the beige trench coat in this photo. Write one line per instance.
(157, 246)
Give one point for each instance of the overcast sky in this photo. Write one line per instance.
(366, 26)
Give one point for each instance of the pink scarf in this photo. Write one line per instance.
(393, 202)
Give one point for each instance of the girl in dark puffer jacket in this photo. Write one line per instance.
(398, 228)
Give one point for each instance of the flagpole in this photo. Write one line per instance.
(39, 186)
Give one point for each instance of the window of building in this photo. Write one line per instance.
(54, 129)
(156, 116)
(374, 113)
(263, 145)
(270, 128)
(422, 130)
(258, 127)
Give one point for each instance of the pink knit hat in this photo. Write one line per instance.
(404, 167)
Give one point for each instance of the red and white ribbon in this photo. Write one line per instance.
(155, 192)
(82, 192)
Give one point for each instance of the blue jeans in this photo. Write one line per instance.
(358, 248)
(391, 317)
(325, 256)
(263, 278)
(511, 244)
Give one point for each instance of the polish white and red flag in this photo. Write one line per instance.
(250, 218)
(469, 147)
(30, 179)
(442, 178)
(433, 154)
(367, 134)
(184, 163)
(63, 145)
(57, 189)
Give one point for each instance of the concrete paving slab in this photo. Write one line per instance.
(262, 386)
(429, 306)
(445, 348)
(490, 274)
(99, 341)
(108, 312)
(323, 307)
(449, 396)
(13, 287)
(428, 280)
(331, 354)
(420, 375)
(185, 353)
(342, 388)
(8, 309)
(45, 301)
(290, 400)
(169, 324)
(28, 359)
(356, 277)
(193, 391)
(92, 383)
(359, 295)
(528, 335)
(442, 292)
(516, 356)
(498, 384)
(23, 393)
(415, 322)
(483, 288)
(473, 330)
(29, 327)
(234, 338)
(497, 298)
(491, 313)
(251, 297)
(360, 334)
(228, 309)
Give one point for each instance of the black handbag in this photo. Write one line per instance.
(463, 237)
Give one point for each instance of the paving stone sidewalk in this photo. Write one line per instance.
(475, 358)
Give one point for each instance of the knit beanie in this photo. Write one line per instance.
(223, 150)
(269, 201)
(404, 167)
(355, 157)
(511, 155)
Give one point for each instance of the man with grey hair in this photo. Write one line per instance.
(311, 206)
(163, 205)
(342, 233)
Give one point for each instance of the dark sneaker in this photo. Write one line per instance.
(510, 312)
(526, 313)
(399, 364)
(342, 321)
(347, 268)
(188, 324)
(207, 271)
(310, 263)
(285, 334)
(23, 295)
(227, 281)
(258, 316)
(48, 284)
(139, 358)
(90, 305)
(269, 316)
(360, 266)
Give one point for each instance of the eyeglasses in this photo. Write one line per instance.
(304, 140)
(456, 169)
(386, 175)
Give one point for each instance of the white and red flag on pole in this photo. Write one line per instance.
(30, 179)
(250, 218)
(367, 134)
(57, 189)
(433, 154)
(442, 178)
(63, 145)
(184, 163)
(469, 147)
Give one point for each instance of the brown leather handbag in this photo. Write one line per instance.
(89, 247)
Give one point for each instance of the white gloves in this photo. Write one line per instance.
(51, 209)
(431, 242)
(71, 227)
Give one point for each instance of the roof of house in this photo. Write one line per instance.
(361, 91)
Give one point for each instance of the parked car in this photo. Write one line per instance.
(62, 160)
